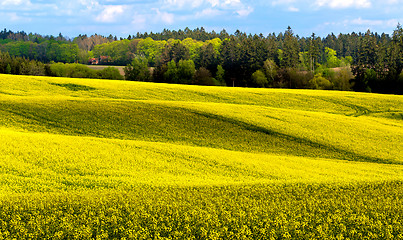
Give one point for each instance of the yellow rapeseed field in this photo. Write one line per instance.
(103, 159)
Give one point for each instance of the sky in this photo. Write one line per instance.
(123, 17)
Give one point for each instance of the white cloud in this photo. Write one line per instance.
(288, 4)
(245, 11)
(143, 21)
(208, 13)
(296, 5)
(164, 17)
(214, 2)
(183, 3)
(368, 22)
(293, 9)
(18, 5)
(110, 13)
(344, 3)
(78, 7)
(14, 2)
(89, 4)
(365, 23)
(200, 3)
(14, 17)
(208, 8)
(232, 2)
(282, 2)
(139, 22)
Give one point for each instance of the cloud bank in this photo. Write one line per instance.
(123, 17)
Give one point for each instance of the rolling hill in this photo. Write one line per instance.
(118, 159)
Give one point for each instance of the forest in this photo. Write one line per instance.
(366, 62)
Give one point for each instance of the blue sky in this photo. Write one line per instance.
(124, 17)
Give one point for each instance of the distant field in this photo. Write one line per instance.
(100, 67)
(104, 159)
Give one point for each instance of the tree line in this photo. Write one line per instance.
(367, 61)
(23, 66)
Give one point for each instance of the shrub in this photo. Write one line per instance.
(331, 59)
(181, 72)
(8, 69)
(319, 82)
(342, 79)
(138, 70)
(259, 79)
(186, 71)
(220, 76)
(270, 69)
(203, 77)
(171, 73)
(32, 68)
(79, 71)
(110, 73)
(72, 70)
